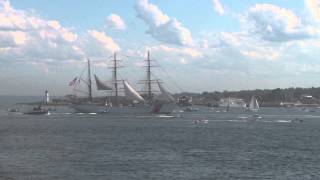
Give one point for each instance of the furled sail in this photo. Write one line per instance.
(131, 93)
(101, 85)
(164, 94)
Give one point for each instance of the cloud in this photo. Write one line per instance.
(28, 38)
(277, 24)
(233, 39)
(269, 33)
(161, 26)
(262, 53)
(276, 44)
(314, 8)
(184, 51)
(106, 41)
(150, 13)
(114, 21)
(218, 7)
(245, 46)
(11, 39)
(5, 5)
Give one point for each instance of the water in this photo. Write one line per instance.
(229, 146)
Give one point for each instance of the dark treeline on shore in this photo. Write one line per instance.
(267, 97)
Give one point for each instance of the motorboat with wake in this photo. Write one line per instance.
(39, 110)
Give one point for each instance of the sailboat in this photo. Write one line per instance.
(254, 105)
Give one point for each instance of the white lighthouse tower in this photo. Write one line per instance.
(47, 97)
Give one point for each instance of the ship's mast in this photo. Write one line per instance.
(149, 86)
(149, 81)
(115, 69)
(89, 81)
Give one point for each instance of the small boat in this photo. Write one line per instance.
(37, 111)
(13, 110)
(202, 121)
(297, 120)
(190, 109)
(256, 116)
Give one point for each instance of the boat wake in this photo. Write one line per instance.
(283, 121)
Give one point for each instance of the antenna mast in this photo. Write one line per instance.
(89, 81)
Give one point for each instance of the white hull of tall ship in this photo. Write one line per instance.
(129, 110)
(165, 102)
(95, 108)
(90, 108)
(167, 108)
(121, 110)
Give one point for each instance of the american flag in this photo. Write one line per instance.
(73, 82)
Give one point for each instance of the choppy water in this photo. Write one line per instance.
(229, 146)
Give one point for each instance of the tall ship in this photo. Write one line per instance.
(122, 97)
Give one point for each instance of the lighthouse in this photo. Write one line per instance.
(47, 97)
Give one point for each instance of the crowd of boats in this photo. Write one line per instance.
(122, 98)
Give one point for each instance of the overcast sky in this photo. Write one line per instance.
(202, 45)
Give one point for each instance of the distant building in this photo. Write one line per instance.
(309, 99)
(232, 102)
(185, 101)
(306, 96)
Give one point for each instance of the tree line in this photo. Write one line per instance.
(265, 96)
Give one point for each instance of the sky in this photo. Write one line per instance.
(207, 45)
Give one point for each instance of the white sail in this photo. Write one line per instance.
(257, 104)
(131, 93)
(164, 94)
(254, 105)
(252, 102)
(101, 85)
